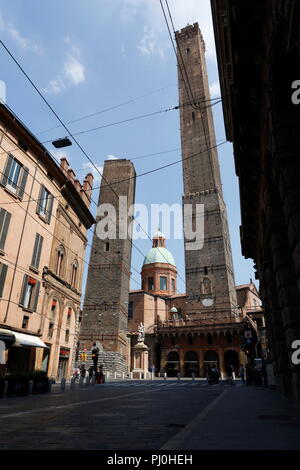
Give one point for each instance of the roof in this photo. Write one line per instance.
(159, 255)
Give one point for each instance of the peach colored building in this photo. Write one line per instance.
(44, 216)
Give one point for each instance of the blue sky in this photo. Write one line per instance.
(89, 56)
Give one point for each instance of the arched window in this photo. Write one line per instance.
(69, 315)
(60, 260)
(74, 273)
(206, 285)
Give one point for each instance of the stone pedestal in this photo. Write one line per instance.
(140, 359)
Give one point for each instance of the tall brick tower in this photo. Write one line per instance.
(209, 271)
(105, 310)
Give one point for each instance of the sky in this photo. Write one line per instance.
(113, 59)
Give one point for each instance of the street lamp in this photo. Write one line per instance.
(63, 142)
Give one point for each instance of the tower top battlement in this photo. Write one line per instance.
(189, 31)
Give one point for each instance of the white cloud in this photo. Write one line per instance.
(111, 157)
(74, 71)
(150, 44)
(90, 167)
(215, 90)
(24, 43)
(155, 40)
(58, 154)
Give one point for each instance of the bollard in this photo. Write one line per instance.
(62, 385)
(140, 374)
(123, 375)
(107, 374)
(158, 374)
(131, 375)
(73, 381)
(222, 376)
(193, 375)
(165, 376)
(233, 375)
(178, 376)
(115, 375)
(152, 375)
(30, 387)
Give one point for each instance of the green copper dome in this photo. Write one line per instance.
(159, 255)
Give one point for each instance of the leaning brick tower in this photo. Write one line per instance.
(105, 309)
(209, 270)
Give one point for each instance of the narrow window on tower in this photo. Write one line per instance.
(205, 270)
(193, 116)
(107, 246)
(188, 50)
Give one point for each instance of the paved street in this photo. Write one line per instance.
(151, 415)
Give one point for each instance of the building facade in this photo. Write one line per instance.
(44, 217)
(259, 77)
(179, 343)
(105, 310)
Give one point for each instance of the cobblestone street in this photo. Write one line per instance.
(140, 415)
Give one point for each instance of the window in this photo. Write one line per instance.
(209, 338)
(3, 271)
(205, 270)
(74, 273)
(173, 285)
(67, 336)
(14, 176)
(35, 261)
(107, 246)
(228, 337)
(130, 310)
(4, 224)
(60, 260)
(53, 307)
(50, 330)
(25, 322)
(30, 293)
(69, 315)
(45, 204)
(162, 283)
(150, 283)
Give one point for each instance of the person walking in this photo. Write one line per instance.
(91, 372)
(83, 371)
(242, 373)
(249, 376)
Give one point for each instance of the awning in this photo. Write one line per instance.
(7, 336)
(29, 340)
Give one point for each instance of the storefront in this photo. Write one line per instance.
(63, 363)
(20, 349)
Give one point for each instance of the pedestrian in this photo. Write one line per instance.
(230, 374)
(91, 372)
(249, 376)
(83, 371)
(242, 373)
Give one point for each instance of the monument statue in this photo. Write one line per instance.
(141, 330)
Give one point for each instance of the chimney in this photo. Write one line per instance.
(71, 175)
(77, 185)
(64, 166)
(86, 191)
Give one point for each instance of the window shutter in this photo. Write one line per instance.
(3, 271)
(50, 207)
(35, 296)
(40, 199)
(23, 180)
(25, 283)
(4, 224)
(6, 170)
(37, 251)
